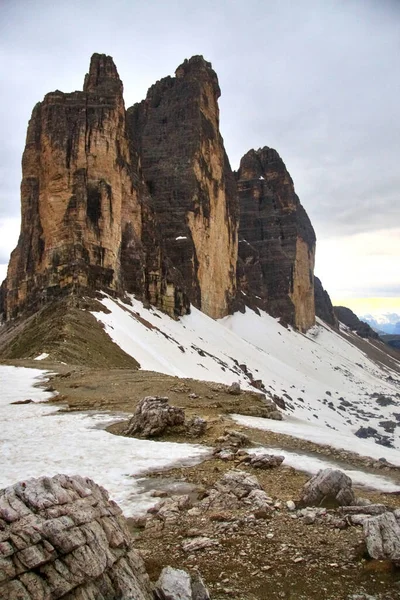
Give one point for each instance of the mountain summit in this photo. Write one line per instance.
(144, 201)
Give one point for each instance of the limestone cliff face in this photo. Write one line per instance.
(276, 240)
(73, 185)
(86, 222)
(145, 201)
(184, 164)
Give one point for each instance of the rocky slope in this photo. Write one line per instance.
(144, 201)
(323, 305)
(350, 319)
(276, 240)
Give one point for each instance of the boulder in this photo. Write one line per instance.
(330, 487)
(153, 416)
(196, 426)
(382, 537)
(239, 483)
(266, 461)
(63, 537)
(176, 584)
(199, 590)
(234, 389)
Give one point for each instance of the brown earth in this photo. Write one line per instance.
(256, 559)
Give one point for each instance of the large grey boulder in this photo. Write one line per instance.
(382, 537)
(173, 584)
(266, 461)
(61, 537)
(153, 416)
(176, 584)
(330, 487)
(239, 483)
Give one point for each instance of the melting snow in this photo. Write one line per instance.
(41, 356)
(37, 439)
(181, 237)
(322, 436)
(312, 464)
(323, 378)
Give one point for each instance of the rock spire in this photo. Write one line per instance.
(144, 201)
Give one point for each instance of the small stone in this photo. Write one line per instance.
(235, 389)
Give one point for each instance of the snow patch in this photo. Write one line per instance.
(42, 356)
(321, 436)
(325, 381)
(38, 440)
(311, 464)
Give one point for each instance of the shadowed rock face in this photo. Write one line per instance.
(323, 305)
(144, 201)
(276, 240)
(176, 130)
(347, 317)
(87, 222)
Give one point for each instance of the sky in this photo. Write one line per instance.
(318, 80)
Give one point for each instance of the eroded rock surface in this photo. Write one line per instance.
(382, 537)
(276, 240)
(144, 201)
(323, 305)
(62, 537)
(176, 133)
(87, 221)
(153, 415)
(329, 487)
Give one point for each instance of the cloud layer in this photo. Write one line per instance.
(319, 81)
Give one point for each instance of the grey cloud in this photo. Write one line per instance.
(318, 81)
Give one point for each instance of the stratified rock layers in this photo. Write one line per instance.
(144, 201)
(61, 537)
(190, 180)
(74, 183)
(276, 240)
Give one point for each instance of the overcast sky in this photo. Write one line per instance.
(319, 80)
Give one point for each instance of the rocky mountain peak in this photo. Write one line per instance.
(276, 240)
(103, 75)
(145, 201)
(257, 163)
(199, 69)
(349, 318)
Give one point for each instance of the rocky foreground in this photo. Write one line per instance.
(62, 537)
(226, 536)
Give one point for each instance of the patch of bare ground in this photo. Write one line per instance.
(275, 557)
(267, 558)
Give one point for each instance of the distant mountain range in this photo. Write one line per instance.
(385, 323)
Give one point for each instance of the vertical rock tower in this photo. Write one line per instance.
(75, 179)
(276, 240)
(145, 201)
(186, 169)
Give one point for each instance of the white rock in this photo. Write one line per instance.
(382, 536)
(175, 584)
